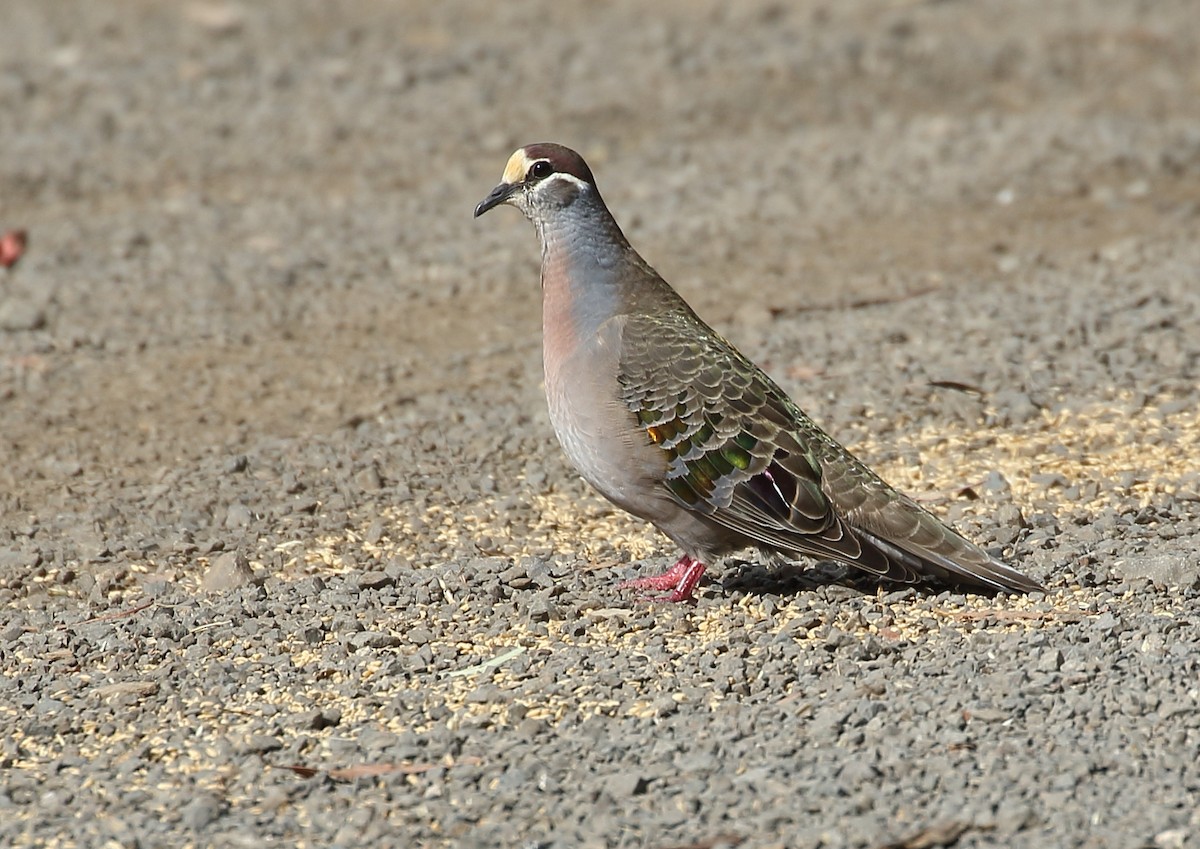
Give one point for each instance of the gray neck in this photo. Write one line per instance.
(585, 236)
(591, 273)
(585, 260)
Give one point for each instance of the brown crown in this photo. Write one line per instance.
(564, 160)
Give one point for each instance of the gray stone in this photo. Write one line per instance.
(228, 571)
(1179, 569)
(201, 811)
(16, 314)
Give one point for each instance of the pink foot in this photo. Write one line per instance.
(681, 578)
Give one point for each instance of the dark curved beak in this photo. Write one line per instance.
(496, 197)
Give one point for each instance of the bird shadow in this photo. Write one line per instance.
(788, 578)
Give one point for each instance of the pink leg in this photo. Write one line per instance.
(681, 578)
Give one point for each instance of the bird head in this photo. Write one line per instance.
(540, 178)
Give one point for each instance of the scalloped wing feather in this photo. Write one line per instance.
(743, 454)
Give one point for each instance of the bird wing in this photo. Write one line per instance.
(729, 434)
(740, 452)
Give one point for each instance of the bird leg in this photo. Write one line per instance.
(681, 578)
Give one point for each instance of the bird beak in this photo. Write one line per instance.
(496, 197)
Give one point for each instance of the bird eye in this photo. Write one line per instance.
(540, 170)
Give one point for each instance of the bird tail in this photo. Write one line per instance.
(966, 565)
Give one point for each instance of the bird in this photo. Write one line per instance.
(673, 424)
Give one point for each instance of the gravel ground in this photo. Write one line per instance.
(288, 554)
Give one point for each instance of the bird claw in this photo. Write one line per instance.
(681, 578)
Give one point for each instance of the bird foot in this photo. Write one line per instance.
(681, 578)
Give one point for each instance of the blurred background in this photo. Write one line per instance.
(251, 220)
(254, 329)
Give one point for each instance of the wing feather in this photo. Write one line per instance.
(741, 452)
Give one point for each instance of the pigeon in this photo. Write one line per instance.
(671, 423)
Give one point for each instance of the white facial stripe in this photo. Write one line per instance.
(566, 178)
